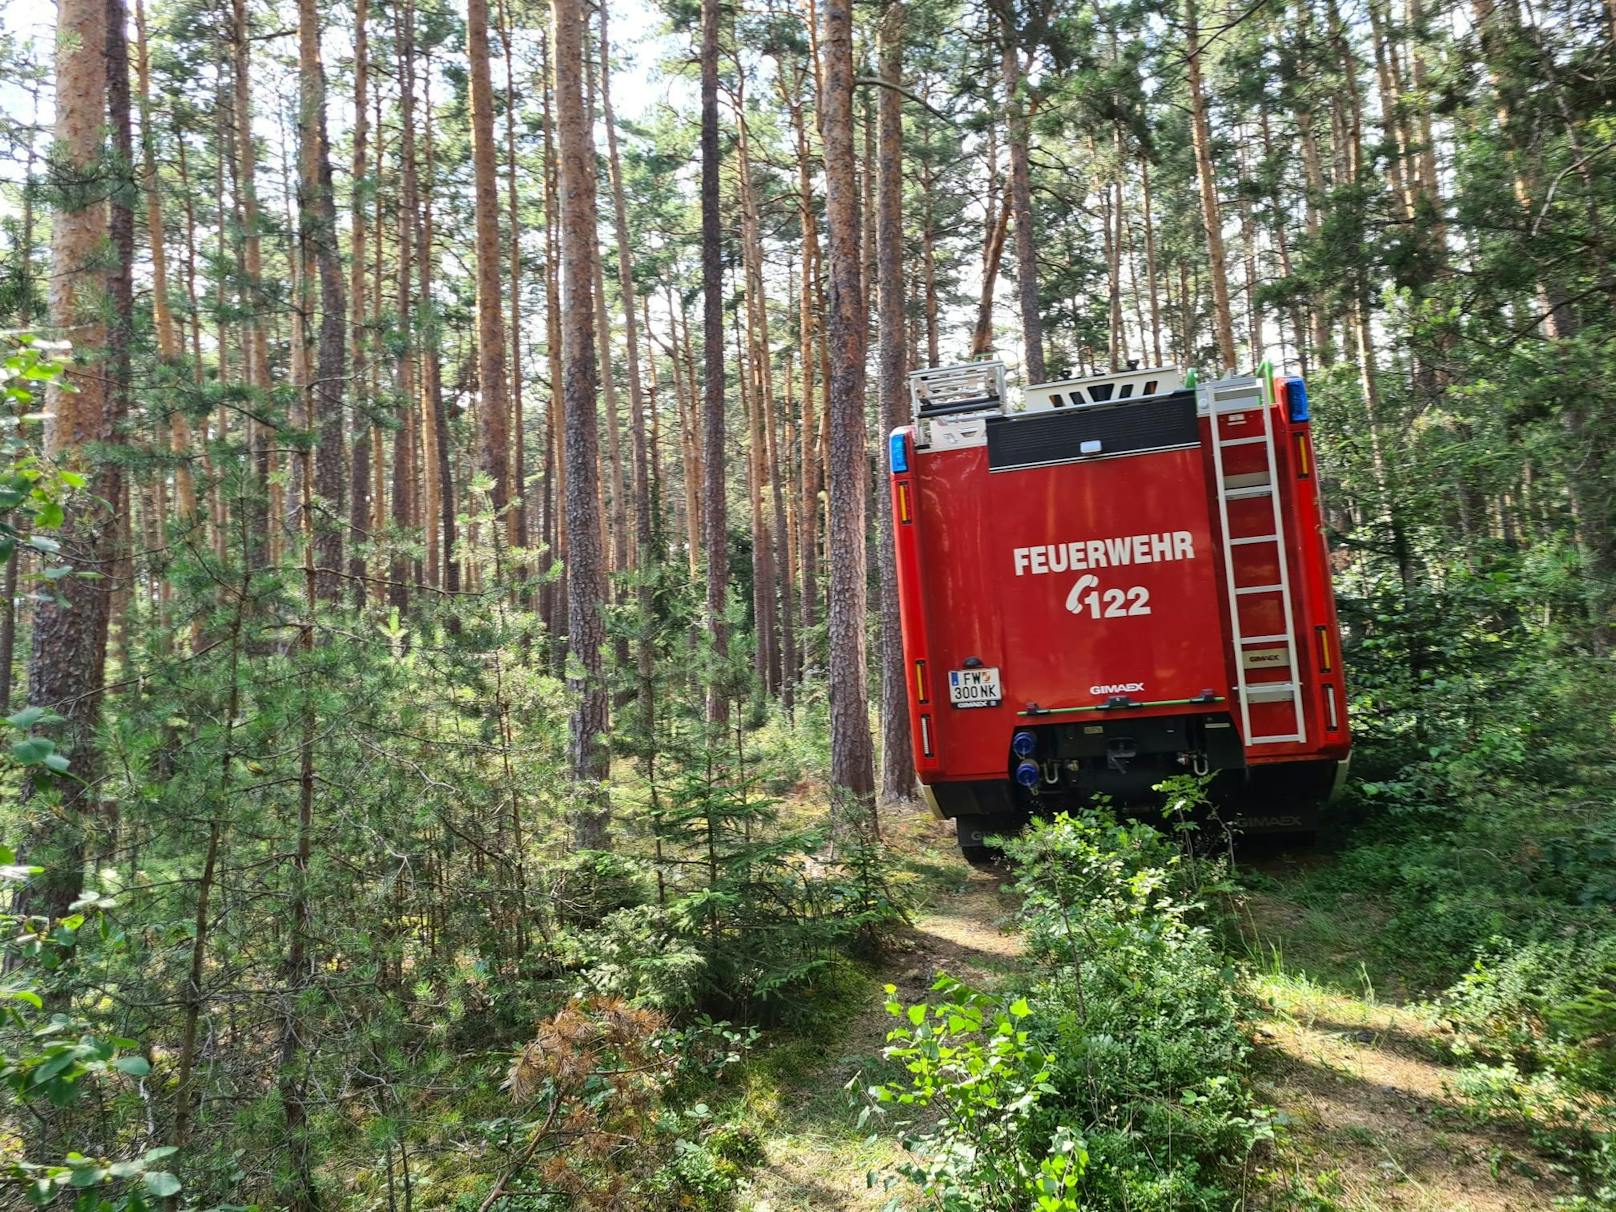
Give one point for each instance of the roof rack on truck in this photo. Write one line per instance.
(938, 391)
(952, 403)
(1111, 387)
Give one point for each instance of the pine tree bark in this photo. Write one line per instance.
(317, 236)
(254, 338)
(65, 666)
(359, 432)
(992, 257)
(493, 405)
(648, 557)
(928, 256)
(715, 525)
(810, 469)
(689, 440)
(851, 753)
(897, 759)
(518, 422)
(771, 599)
(1206, 178)
(403, 462)
(1032, 321)
(1150, 262)
(120, 333)
(168, 338)
(555, 456)
(437, 448)
(586, 572)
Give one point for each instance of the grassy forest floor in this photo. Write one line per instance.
(1361, 1073)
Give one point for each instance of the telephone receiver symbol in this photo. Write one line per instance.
(1074, 599)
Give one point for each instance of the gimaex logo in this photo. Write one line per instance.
(1118, 688)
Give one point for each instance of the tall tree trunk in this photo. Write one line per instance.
(897, 760)
(622, 549)
(1313, 200)
(751, 393)
(493, 406)
(297, 1188)
(757, 383)
(810, 468)
(65, 667)
(403, 468)
(1255, 342)
(439, 469)
(648, 557)
(928, 258)
(1150, 263)
(992, 257)
(1396, 158)
(689, 439)
(556, 484)
(1206, 177)
(715, 525)
(1115, 341)
(120, 306)
(317, 235)
(586, 573)
(518, 422)
(851, 758)
(359, 432)
(1018, 136)
(168, 337)
(254, 339)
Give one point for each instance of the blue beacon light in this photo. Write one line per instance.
(1296, 399)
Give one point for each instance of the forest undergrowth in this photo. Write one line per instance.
(450, 648)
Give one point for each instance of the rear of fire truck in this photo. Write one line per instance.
(1113, 580)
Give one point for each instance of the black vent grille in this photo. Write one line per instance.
(1039, 438)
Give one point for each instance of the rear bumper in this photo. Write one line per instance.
(1275, 797)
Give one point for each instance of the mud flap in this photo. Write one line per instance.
(973, 833)
(1287, 798)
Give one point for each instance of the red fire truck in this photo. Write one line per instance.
(1112, 580)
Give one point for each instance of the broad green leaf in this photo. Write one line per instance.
(162, 1184)
(33, 751)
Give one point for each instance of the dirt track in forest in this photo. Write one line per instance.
(817, 1159)
(1366, 1082)
(1362, 1085)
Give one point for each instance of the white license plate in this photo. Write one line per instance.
(974, 687)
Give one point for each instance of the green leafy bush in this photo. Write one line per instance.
(1142, 1009)
(971, 1059)
(50, 1057)
(1116, 1078)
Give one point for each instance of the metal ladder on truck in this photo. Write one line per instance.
(1219, 400)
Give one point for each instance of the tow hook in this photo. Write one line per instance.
(1196, 760)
